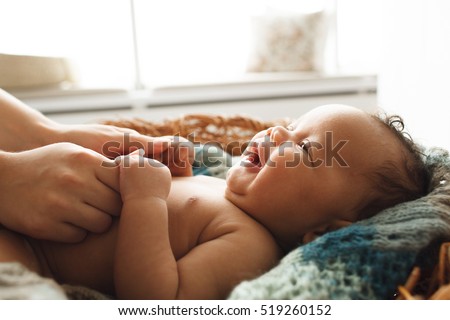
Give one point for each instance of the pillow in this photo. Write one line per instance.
(287, 42)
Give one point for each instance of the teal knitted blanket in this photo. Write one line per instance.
(369, 259)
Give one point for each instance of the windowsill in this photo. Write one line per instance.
(250, 87)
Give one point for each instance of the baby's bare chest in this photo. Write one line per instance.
(198, 212)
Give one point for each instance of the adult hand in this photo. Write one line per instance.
(174, 151)
(58, 192)
(179, 156)
(111, 141)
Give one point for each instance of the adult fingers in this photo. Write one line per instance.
(74, 227)
(180, 157)
(108, 174)
(181, 171)
(63, 232)
(90, 218)
(155, 145)
(135, 141)
(103, 198)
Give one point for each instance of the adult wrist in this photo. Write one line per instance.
(16, 137)
(47, 132)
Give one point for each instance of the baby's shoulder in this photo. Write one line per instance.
(247, 246)
(246, 237)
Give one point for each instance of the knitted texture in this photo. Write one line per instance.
(17, 282)
(369, 259)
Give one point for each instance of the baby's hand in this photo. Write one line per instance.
(142, 177)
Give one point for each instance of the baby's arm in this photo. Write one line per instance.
(144, 263)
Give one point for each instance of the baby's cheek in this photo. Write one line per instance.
(237, 182)
(285, 158)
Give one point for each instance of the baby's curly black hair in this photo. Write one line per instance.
(395, 184)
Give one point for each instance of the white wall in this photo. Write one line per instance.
(414, 79)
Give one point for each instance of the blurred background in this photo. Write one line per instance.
(88, 60)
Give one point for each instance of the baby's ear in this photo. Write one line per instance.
(333, 226)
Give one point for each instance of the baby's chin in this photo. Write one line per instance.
(235, 182)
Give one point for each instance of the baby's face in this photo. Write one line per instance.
(304, 177)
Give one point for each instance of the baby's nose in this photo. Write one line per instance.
(278, 134)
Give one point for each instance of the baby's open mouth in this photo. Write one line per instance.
(251, 157)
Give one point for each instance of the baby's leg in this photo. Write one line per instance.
(15, 248)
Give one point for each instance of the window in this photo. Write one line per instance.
(177, 41)
(94, 34)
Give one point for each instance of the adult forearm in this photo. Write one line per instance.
(22, 127)
(145, 267)
(4, 160)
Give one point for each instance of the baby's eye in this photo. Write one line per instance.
(305, 145)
